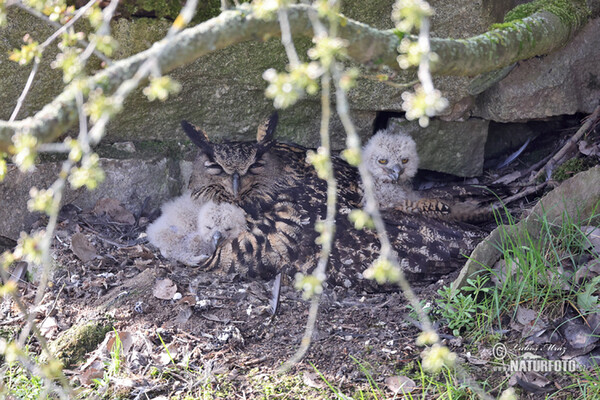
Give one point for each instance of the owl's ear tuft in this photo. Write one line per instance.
(197, 136)
(266, 130)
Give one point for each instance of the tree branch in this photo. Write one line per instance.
(539, 34)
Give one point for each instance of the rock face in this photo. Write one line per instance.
(452, 147)
(224, 94)
(129, 181)
(564, 82)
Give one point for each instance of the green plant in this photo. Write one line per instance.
(18, 383)
(462, 310)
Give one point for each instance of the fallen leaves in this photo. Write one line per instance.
(400, 384)
(164, 289)
(82, 248)
(114, 210)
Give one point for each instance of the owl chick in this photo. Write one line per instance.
(393, 161)
(220, 221)
(189, 232)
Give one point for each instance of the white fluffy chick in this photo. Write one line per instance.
(393, 161)
(189, 232)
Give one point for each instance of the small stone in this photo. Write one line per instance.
(128, 147)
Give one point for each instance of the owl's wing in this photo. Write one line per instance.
(281, 232)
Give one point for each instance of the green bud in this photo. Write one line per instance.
(104, 43)
(25, 151)
(41, 200)
(27, 52)
(408, 14)
(310, 285)
(427, 338)
(161, 87)
(3, 168)
(321, 161)
(436, 357)
(89, 174)
(98, 105)
(69, 62)
(383, 271)
(327, 49)
(352, 156)
(361, 219)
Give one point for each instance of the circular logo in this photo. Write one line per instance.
(499, 351)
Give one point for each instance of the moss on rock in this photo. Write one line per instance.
(571, 168)
(571, 12)
(72, 345)
(170, 9)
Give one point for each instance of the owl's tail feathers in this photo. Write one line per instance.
(467, 211)
(473, 213)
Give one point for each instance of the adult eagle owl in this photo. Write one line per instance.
(283, 199)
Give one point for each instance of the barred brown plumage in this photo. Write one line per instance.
(284, 199)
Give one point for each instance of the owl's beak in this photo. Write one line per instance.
(235, 183)
(395, 171)
(217, 238)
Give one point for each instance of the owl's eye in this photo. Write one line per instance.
(213, 168)
(404, 160)
(257, 166)
(382, 161)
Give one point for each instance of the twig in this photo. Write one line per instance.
(41, 48)
(591, 119)
(112, 242)
(286, 37)
(21, 99)
(49, 312)
(329, 223)
(12, 320)
(523, 193)
(82, 42)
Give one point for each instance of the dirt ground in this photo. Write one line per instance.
(218, 326)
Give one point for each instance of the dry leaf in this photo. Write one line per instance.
(184, 315)
(95, 370)
(164, 289)
(169, 354)
(311, 379)
(48, 327)
(534, 383)
(114, 210)
(82, 248)
(589, 149)
(400, 384)
(578, 335)
(19, 272)
(126, 339)
(593, 235)
(530, 321)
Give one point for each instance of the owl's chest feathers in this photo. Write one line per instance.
(392, 194)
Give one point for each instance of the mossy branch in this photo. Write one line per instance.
(536, 35)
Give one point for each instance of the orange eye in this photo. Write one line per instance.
(382, 161)
(404, 160)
